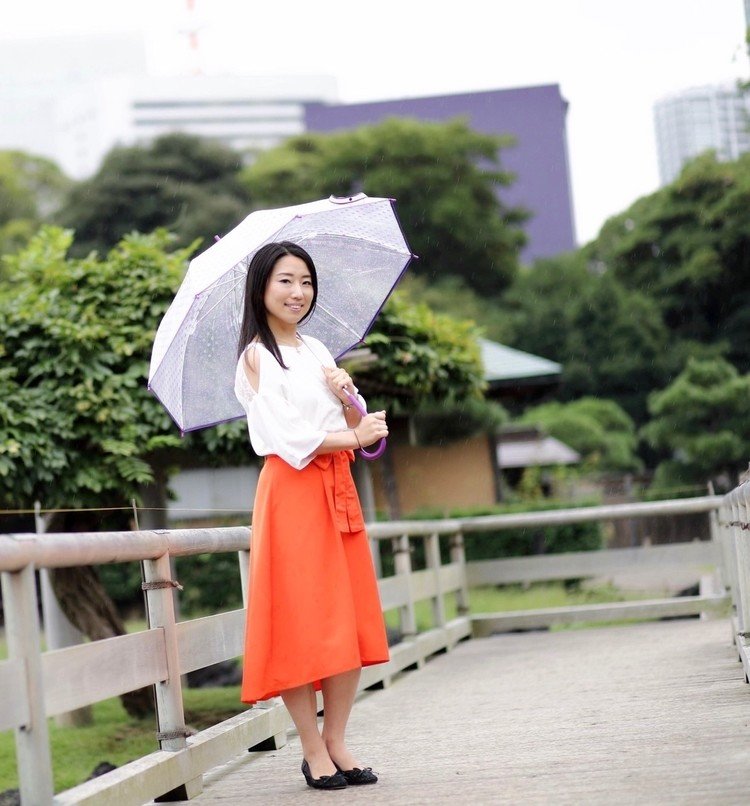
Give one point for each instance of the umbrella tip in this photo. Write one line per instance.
(217, 237)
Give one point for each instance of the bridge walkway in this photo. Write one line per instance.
(655, 713)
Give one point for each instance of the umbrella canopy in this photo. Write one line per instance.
(360, 253)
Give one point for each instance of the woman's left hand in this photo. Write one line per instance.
(337, 379)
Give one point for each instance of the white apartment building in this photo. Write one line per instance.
(695, 120)
(247, 113)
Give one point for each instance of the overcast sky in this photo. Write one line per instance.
(611, 58)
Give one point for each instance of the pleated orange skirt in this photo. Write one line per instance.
(313, 609)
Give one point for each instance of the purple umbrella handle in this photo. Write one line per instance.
(380, 450)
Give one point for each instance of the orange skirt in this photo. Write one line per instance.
(314, 609)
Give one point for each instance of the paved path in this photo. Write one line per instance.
(644, 714)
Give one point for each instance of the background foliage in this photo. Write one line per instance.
(598, 429)
(183, 183)
(702, 420)
(31, 190)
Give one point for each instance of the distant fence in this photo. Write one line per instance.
(35, 685)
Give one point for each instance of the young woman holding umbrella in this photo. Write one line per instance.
(314, 615)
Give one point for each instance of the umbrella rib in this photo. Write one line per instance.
(203, 314)
(238, 275)
(341, 322)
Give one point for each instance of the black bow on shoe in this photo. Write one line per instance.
(357, 776)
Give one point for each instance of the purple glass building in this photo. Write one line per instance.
(534, 116)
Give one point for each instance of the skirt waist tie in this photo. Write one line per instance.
(340, 490)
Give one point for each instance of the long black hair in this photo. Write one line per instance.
(254, 318)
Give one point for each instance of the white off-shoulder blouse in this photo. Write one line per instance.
(293, 409)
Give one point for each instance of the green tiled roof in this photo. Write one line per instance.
(503, 363)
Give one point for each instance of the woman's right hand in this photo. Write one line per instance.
(371, 429)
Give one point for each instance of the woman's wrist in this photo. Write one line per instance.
(356, 436)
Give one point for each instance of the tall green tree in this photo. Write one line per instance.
(702, 421)
(611, 340)
(687, 247)
(77, 427)
(445, 177)
(180, 182)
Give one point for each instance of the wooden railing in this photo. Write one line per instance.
(35, 685)
(731, 527)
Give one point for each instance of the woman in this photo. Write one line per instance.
(314, 616)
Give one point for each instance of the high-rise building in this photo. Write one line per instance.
(699, 119)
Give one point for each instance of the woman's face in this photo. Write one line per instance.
(289, 292)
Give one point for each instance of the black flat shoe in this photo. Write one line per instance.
(336, 781)
(357, 776)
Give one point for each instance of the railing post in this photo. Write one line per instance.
(723, 533)
(743, 565)
(432, 554)
(244, 560)
(458, 556)
(170, 717)
(402, 564)
(23, 636)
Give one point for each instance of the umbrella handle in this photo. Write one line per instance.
(380, 449)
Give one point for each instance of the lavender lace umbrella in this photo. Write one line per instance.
(359, 252)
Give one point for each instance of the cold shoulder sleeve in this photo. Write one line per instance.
(275, 424)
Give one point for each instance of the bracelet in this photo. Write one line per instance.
(354, 431)
(347, 406)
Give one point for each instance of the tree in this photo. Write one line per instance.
(451, 296)
(598, 429)
(445, 177)
(687, 247)
(703, 420)
(77, 426)
(611, 341)
(424, 359)
(180, 182)
(31, 189)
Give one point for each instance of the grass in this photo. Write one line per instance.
(118, 738)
